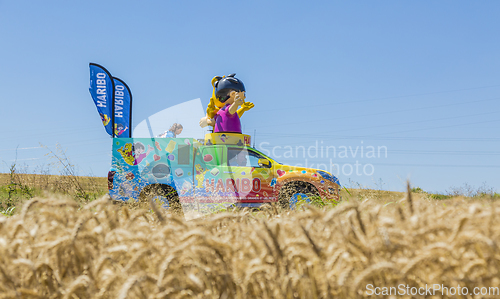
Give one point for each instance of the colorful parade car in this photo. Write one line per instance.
(221, 169)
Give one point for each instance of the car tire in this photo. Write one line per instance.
(163, 195)
(292, 189)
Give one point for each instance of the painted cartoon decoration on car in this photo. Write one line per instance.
(127, 153)
(140, 152)
(133, 154)
(200, 175)
(171, 146)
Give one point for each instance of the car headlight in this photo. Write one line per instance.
(329, 177)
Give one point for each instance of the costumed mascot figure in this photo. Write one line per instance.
(227, 105)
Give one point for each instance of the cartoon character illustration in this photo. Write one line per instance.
(220, 84)
(174, 130)
(127, 153)
(134, 154)
(119, 129)
(223, 137)
(273, 182)
(105, 119)
(140, 152)
(200, 175)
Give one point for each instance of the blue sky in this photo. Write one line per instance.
(417, 82)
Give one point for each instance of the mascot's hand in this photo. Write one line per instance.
(203, 122)
(211, 109)
(247, 105)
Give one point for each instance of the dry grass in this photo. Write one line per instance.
(381, 196)
(23, 182)
(55, 249)
(55, 183)
(16, 188)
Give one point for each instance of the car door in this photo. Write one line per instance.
(208, 174)
(252, 183)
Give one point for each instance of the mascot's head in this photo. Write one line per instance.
(223, 87)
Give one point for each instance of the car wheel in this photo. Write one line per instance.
(163, 196)
(292, 193)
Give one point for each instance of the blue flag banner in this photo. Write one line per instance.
(123, 109)
(101, 88)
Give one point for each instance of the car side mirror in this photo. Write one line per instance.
(264, 163)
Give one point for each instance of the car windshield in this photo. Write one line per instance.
(264, 156)
(245, 156)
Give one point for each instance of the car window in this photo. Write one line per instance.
(237, 157)
(242, 157)
(254, 159)
(183, 154)
(262, 156)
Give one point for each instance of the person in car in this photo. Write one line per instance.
(238, 157)
(174, 130)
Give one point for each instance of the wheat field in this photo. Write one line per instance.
(55, 248)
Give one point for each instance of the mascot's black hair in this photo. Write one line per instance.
(224, 86)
